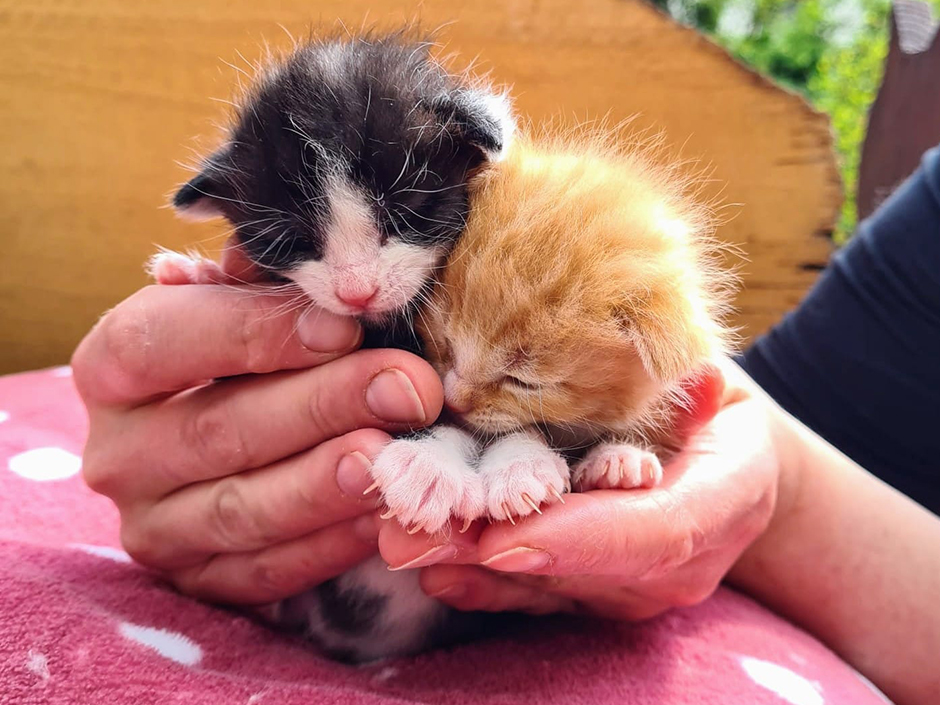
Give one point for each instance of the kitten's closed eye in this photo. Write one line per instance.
(514, 381)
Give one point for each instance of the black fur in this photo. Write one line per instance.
(377, 110)
(351, 611)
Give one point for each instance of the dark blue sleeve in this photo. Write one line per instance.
(859, 360)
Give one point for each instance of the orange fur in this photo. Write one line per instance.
(589, 274)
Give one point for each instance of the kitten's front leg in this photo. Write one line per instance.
(521, 473)
(617, 466)
(427, 480)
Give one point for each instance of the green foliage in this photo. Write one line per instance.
(831, 51)
(844, 85)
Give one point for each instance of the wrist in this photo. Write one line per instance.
(789, 448)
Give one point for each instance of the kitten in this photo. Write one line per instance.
(584, 290)
(345, 171)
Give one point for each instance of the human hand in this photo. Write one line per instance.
(626, 554)
(248, 488)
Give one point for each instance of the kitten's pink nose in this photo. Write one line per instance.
(359, 298)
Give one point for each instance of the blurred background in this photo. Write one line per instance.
(831, 51)
(104, 100)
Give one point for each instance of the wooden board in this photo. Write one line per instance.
(100, 98)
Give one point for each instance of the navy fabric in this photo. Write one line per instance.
(859, 360)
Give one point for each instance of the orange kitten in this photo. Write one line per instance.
(582, 292)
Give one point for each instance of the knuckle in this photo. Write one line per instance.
(213, 438)
(196, 581)
(323, 411)
(138, 543)
(675, 553)
(272, 579)
(256, 341)
(698, 593)
(691, 592)
(685, 542)
(99, 474)
(234, 525)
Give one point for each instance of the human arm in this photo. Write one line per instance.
(855, 563)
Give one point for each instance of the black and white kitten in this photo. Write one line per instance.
(345, 172)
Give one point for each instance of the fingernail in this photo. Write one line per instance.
(392, 397)
(367, 527)
(450, 591)
(518, 560)
(322, 331)
(435, 555)
(352, 474)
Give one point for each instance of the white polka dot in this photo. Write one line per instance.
(790, 686)
(115, 554)
(64, 371)
(44, 464)
(4, 415)
(37, 664)
(171, 645)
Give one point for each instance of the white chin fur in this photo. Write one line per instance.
(356, 262)
(398, 271)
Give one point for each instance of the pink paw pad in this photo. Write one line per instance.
(175, 268)
(426, 482)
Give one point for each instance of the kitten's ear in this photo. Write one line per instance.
(202, 196)
(482, 119)
(672, 338)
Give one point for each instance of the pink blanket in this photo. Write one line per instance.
(79, 623)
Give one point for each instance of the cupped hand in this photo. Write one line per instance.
(626, 554)
(248, 488)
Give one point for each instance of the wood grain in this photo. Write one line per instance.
(101, 98)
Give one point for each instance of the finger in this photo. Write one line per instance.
(237, 265)
(704, 395)
(689, 585)
(473, 589)
(722, 483)
(166, 338)
(252, 510)
(283, 570)
(404, 551)
(249, 422)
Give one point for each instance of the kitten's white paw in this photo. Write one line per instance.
(427, 481)
(617, 465)
(521, 473)
(175, 268)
